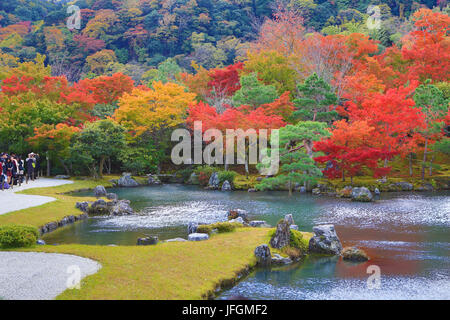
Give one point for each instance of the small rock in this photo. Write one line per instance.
(235, 213)
(237, 220)
(198, 237)
(153, 180)
(402, 186)
(316, 191)
(277, 259)
(289, 219)
(176, 240)
(302, 189)
(192, 227)
(377, 192)
(100, 191)
(262, 254)
(361, 194)
(40, 242)
(345, 192)
(325, 240)
(147, 241)
(258, 224)
(252, 190)
(226, 186)
(62, 176)
(354, 254)
(83, 206)
(293, 227)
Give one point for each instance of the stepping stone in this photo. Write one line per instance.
(198, 237)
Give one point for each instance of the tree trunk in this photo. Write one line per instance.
(425, 151)
(351, 181)
(48, 164)
(100, 167)
(246, 167)
(109, 165)
(290, 188)
(64, 166)
(431, 165)
(343, 175)
(410, 165)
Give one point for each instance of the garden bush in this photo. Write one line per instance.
(227, 175)
(16, 236)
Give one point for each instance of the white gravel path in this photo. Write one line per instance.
(10, 201)
(40, 276)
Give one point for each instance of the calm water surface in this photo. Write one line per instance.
(406, 235)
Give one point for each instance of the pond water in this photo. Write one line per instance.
(407, 235)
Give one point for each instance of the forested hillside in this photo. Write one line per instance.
(133, 36)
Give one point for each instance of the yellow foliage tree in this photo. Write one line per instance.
(152, 110)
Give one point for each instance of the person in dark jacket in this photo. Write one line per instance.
(29, 164)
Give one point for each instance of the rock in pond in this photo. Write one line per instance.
(99, 207)
(325, 240)
(226, 186)
(198, 237)
(147, 241)
(282, 235)
(251, 190)
(153, 180)
(237, 220)
(192, 227)
(345, 192)
(83, 206)
(289, 219)
(354, 254)
(402, 186)
(236, 213)
(126, 181)
(262, 254)
(111, 196)
(316, 191)
(361, 194)
(277, 259)
(121, 208)
(100, 191)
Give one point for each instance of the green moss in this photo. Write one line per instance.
(221, 227)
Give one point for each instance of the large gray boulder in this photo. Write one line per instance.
(83, 206)
(100, 191)
(111, 196)
(121, 208)
(214, 181)
(263, 255)
(198, 237)
(226, 186)
(259, 224)
(361, 194)
(126, 181)
(282, 235)
(99, 207)
(325, 240)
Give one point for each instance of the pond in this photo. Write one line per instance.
(405, 234)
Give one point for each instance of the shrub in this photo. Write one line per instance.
(296, 241)
(221, 227)
(203, 179)
(16, 236)
(185, 174)
(204, 173)
(227, 175)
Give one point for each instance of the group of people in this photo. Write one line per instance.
(14, 170)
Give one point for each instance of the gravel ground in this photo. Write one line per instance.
(40, 276)
(11, 201)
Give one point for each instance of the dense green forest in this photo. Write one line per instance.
(134, 36)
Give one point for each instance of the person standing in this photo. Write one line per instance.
(29, 162)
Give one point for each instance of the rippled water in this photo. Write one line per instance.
(406, 235)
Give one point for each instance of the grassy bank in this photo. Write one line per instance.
(184, 270)
(177, 270)
(55, 210)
